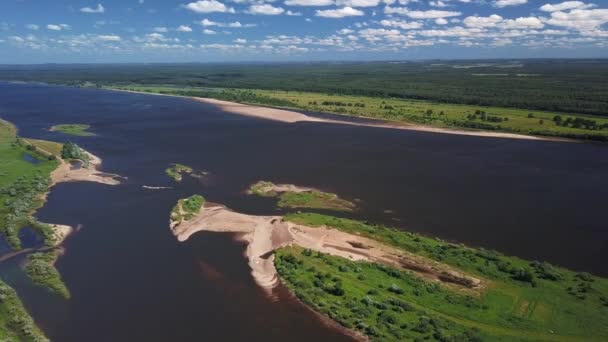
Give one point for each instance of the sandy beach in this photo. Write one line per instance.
(264, 234)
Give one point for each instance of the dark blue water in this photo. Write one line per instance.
(131, 280)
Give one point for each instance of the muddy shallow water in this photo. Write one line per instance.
(130, 279)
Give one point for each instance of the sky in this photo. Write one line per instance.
(117, 31)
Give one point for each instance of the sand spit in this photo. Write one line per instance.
(66, 173)
(156, 187)
(289, 116)
(264, 234)
(264, 187)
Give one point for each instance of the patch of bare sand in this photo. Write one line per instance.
(66, 173)
(264, 234)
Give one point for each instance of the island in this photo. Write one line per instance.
(386, 284)
(177, 170)
(292, 196)
(73, 129)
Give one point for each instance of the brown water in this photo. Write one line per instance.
(131, 280)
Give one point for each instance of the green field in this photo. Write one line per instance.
(521, 300)
(73, 129)
(512, 120)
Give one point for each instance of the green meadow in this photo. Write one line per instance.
(519, 300)
(73, 129)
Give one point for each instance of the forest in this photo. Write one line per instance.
(572, 86)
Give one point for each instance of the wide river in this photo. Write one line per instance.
(131, 280)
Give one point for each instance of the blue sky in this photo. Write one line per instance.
(34, 31)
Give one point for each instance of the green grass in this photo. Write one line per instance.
(40, 269)
(187, 208)
(15, 323)
(73, 129)
(522, 299)
(512, 120)
(176, 171)
(312, 199)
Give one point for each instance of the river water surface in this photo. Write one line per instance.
(131, 280)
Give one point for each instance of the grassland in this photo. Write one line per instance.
(40, 269)
(523, 301)
(15, 323)
(513, 120)
(73, 129)
(290, 196)
(187, 208)
(22, 184)
(177, 170)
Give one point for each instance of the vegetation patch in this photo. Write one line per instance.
(73, 129)
(291, 196)
(187, 208)
(177, 170)
(524, 300)
(15, 323)
(40, 269)
(71, 151)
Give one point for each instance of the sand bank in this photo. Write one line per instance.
(65, 172)
(264, 234)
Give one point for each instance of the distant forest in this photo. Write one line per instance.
(575, 86)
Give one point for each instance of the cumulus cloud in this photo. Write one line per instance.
(265, 9)
(566, 5)
(235, 24)
(358, 3)
(339, 13)
(505, 3)
(430, 14)
(474, 21)
(293, 14)
(209, 6)
(32, 27)
(58, 27)
(441, 21)
(98, 9)
(582, 19)
(184, 28)
(240, 41)
(108, 38)
(404, 25)
(309, 2)
(522, 23)
(208, 31)
(161, 29)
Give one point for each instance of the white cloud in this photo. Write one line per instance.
(358, 3)
(309, 2)
(58, 27)
(32, 27)
(98, 9)
(339, 13)
(345, 31)
(430, 14)
(208, 31)
(505, 3)
(441, 21)
(404, 25)
(184, 28)
(579, 19)
(209, 6)
(438, 3)
(522, 23)
(161, 29)
(240, 41)
(236, 24)
(293, 14)
(474, 21)
(108, 38)
(265, 9)
(566, 5)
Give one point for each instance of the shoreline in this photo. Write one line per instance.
(290, 115)
(265, 234)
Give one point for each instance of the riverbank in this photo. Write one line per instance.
(290, 116)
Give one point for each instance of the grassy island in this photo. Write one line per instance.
(73, 129)
(519, 301)
(177, 170)
(41, 270)
(15, 323)
(187, 208)
(291, 196)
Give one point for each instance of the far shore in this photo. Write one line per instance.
(292, 116)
